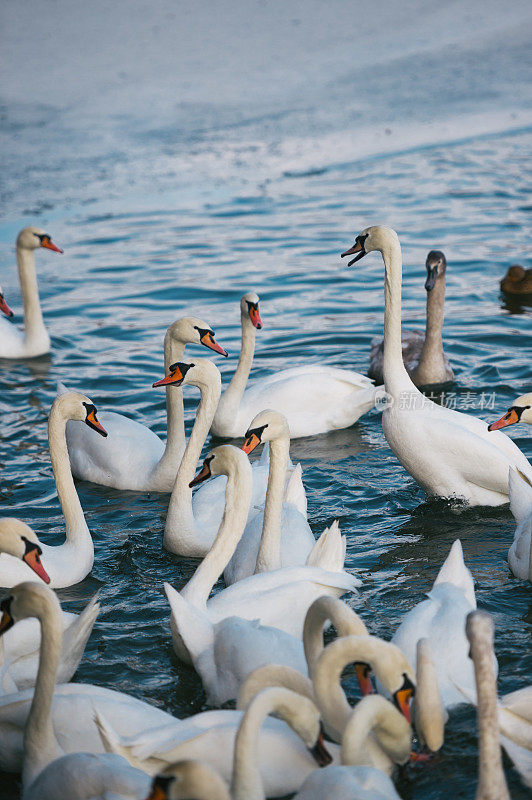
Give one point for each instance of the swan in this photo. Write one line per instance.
(441, 620)
(491, 782)
(449, 454)
(133, 456)
(517, 280)
(19, 648)
(189, 779)
(82, 713)
(70, 562)
(34, 340)
(4, 308)
(314, 399)
(375, 738)
(520, 552)
(192, 521)
(264, 596)
(423, 355)
(279, 536)
(520, 411)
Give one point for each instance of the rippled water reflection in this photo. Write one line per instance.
(127, 274)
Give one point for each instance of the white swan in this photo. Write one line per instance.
(189, 779)
(520, 552)
(71, 561)
(192, 521)
(491, 783)
(133, 456)
(157, 739)
(376, 737)
(279, 536)
(19, 648)
(34, 340)
(314, 399)
(441, 619)
(264, 596)
(448, 453)
(423, 355)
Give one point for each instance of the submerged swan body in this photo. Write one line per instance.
(342, 398)
(133, 456)
(449, 454)
(423, 355)
(34, 339)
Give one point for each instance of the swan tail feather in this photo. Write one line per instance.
(190, 626)
(453, 570)
(76, 636)
(520, 494)
(329, 550)
(62, 389)
(295, 491)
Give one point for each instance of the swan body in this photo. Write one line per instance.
(34, 339)
(520, 552)
(192, 521)
(449, 454)
(133, 456)
(279, 536)
(70, 562)
(264, 596)
(423, 355)
(314, 399)
(347, 783)
(441, 620)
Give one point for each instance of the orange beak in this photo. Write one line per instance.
(320, 752)
(33, 560)
(250, 444)
(47, 242)
(4, 307)
(157, 793)
(94, 423)
(510, 418)
(403, 699)
(209, 341)
(363, 673)
(254, 316)
(202, 475)
(175, 377)
(6, 622)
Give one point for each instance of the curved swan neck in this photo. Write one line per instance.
(40, 744)
(237, 502)
(273, 675)
(175, 425)
(375, 715)
(394, 372)
(328, 609)
(75, 524)
(233, 394)
(269, 555)
(492, 783)
(34, 328)
(180, 508)
(431, 359)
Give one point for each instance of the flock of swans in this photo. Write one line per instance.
(260, 641)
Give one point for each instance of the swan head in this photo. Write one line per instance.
(249, 309)
(376, 237)
(201, 373)
(520, 411)
(73, 405)
(26, 600)
(20, 541)
(32, 238)
(188, 778)
(192, 330)
(4, 306)
(436, 264)
(265, 427)
(223, 460)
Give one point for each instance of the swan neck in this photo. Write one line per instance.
(269, 554)
(431, 359)
(40, 744)
(237, 502)
(375, 723)
(75, 524)
(34, 327)
(327, 609)
(234, 392)
(492, 783)
(175, 417)
(180, 513)
(394, 372)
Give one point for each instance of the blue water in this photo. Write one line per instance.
(178, 208)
